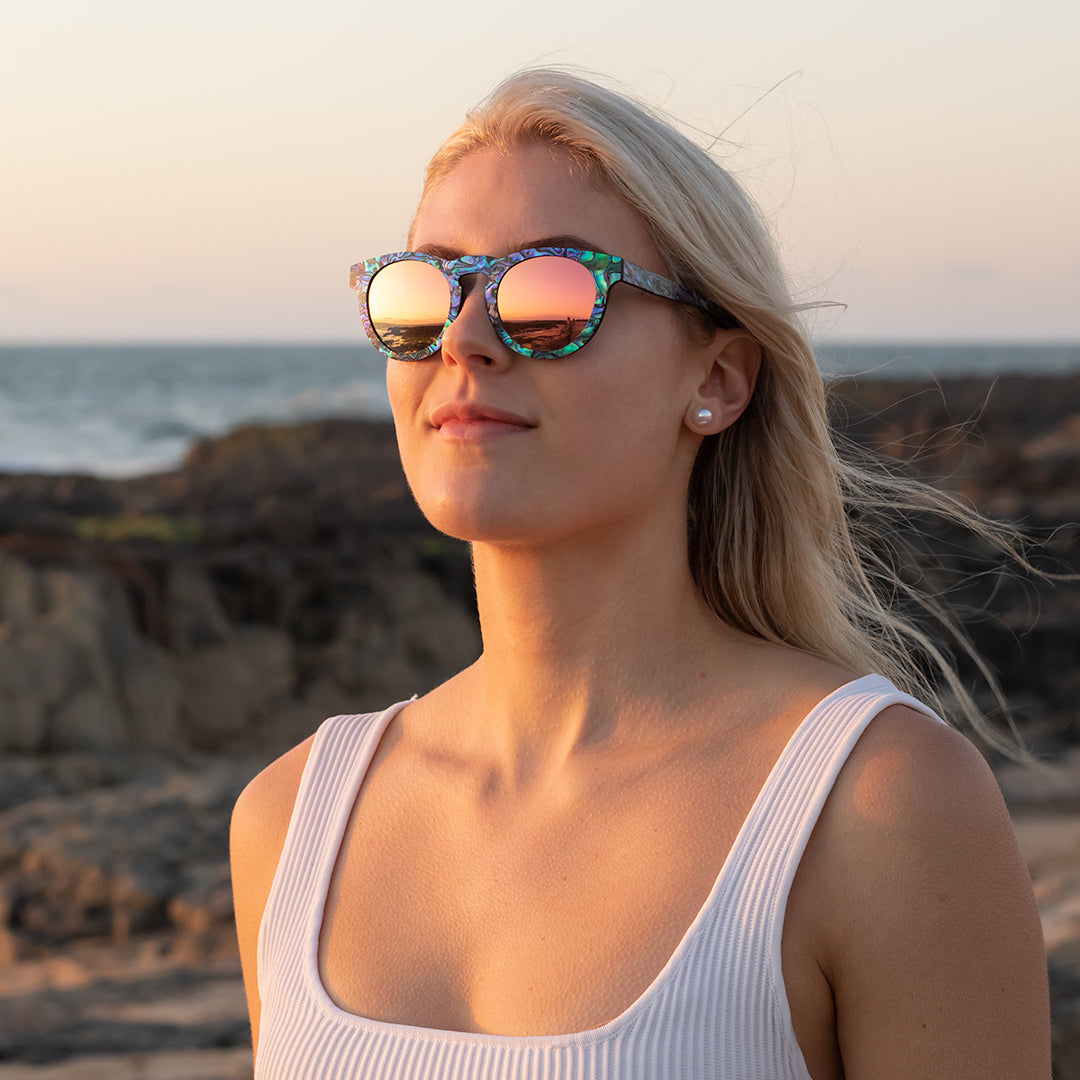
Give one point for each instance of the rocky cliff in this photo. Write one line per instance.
(162, 637)
(281, 575)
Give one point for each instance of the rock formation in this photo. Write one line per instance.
(161, 638)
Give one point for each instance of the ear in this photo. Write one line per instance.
(733, 360)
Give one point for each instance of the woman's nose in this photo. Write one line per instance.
(471, 339)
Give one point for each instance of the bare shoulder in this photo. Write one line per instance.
(930, 937)
(260, 821)
(917, 798)
(261, 815)
(912, 773)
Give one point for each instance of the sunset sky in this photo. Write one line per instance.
(208, 171)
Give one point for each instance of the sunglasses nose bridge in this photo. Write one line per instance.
(471, 333)
(474, 279)
(467, 280)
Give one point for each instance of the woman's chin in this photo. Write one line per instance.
(477, 527)
(469, 518)
(489, 518)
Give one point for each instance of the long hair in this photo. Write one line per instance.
(784, 531)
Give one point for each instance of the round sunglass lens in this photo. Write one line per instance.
(408, 303)
(546, 302)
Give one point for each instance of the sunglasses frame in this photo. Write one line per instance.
(606, 270)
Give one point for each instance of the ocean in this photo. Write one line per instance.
(123, 410)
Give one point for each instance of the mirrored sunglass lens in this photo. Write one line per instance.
(546, 302)
(408, 303)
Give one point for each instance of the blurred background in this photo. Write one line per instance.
(206, 544)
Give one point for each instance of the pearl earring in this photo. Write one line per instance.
(702, 416)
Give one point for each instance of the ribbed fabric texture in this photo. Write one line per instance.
(717, 1010)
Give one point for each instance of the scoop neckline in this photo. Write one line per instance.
(317, 914)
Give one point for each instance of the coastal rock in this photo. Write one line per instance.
(146, 854)
(20, 601)
(1049, 837)
(280, 571)
(150, 693)
(161, 638)
(226, 687)
(196, 618)
(1010, 445)
(75, 673)
(90, 719)
(401, 643)
(1065, 1006)
(139, 1019)
(23, 720)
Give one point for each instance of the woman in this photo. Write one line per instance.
(652, 831)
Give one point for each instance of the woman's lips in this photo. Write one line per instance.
(474, 422)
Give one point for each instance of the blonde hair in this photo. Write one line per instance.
(785, 533)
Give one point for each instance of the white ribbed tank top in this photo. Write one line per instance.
(718, 1009)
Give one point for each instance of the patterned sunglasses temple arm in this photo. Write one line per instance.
(659, 285)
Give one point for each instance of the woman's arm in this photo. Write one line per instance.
(260, 821)
(932, 941)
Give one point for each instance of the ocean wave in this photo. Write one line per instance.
(365, 399)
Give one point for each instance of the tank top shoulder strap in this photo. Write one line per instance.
(770, 845)
(337, 763)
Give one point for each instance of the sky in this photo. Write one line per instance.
(208, 171)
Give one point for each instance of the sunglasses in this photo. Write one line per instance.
(543, 302)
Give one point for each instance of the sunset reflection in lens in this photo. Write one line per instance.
(544, 303)
(408, 303)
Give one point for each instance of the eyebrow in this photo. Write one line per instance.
(441, 251)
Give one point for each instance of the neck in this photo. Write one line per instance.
(583, 640)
